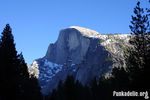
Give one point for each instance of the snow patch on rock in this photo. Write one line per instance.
(34, 69)
(78, 51)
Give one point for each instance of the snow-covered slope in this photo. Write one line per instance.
(80, 52)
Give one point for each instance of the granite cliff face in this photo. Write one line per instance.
(71, 42)
(80, 52)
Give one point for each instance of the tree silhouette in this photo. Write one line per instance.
(15, 82)
(138, 57)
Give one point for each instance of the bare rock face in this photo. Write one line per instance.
(71, 42)
(80, 52)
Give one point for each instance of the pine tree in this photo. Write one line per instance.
(15, 82)
(8, 58)
(140, 21)
(139, 54)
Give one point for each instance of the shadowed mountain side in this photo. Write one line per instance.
(80, 52)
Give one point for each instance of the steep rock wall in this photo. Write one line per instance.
(80, 52)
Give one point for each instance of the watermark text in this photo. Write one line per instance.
(131, 94)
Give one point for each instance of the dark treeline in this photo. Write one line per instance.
(135, 77)
(100, 90)
(15, 83)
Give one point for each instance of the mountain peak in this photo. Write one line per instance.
(85, 31)
(80, 52)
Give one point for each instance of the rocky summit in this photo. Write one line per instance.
(80, 52)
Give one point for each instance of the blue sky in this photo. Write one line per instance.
(36, 23)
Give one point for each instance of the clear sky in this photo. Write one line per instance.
(36, 23)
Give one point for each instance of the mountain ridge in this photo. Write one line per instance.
(80, 52)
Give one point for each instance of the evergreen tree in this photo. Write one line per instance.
(15, 82)
(138, 57)
(69, 88)
(8, 60)
(140, 21)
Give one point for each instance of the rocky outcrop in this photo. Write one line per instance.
(71, 42)
(80, 52)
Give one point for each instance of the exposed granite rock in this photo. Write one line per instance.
(71, 42)
(80, 52)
